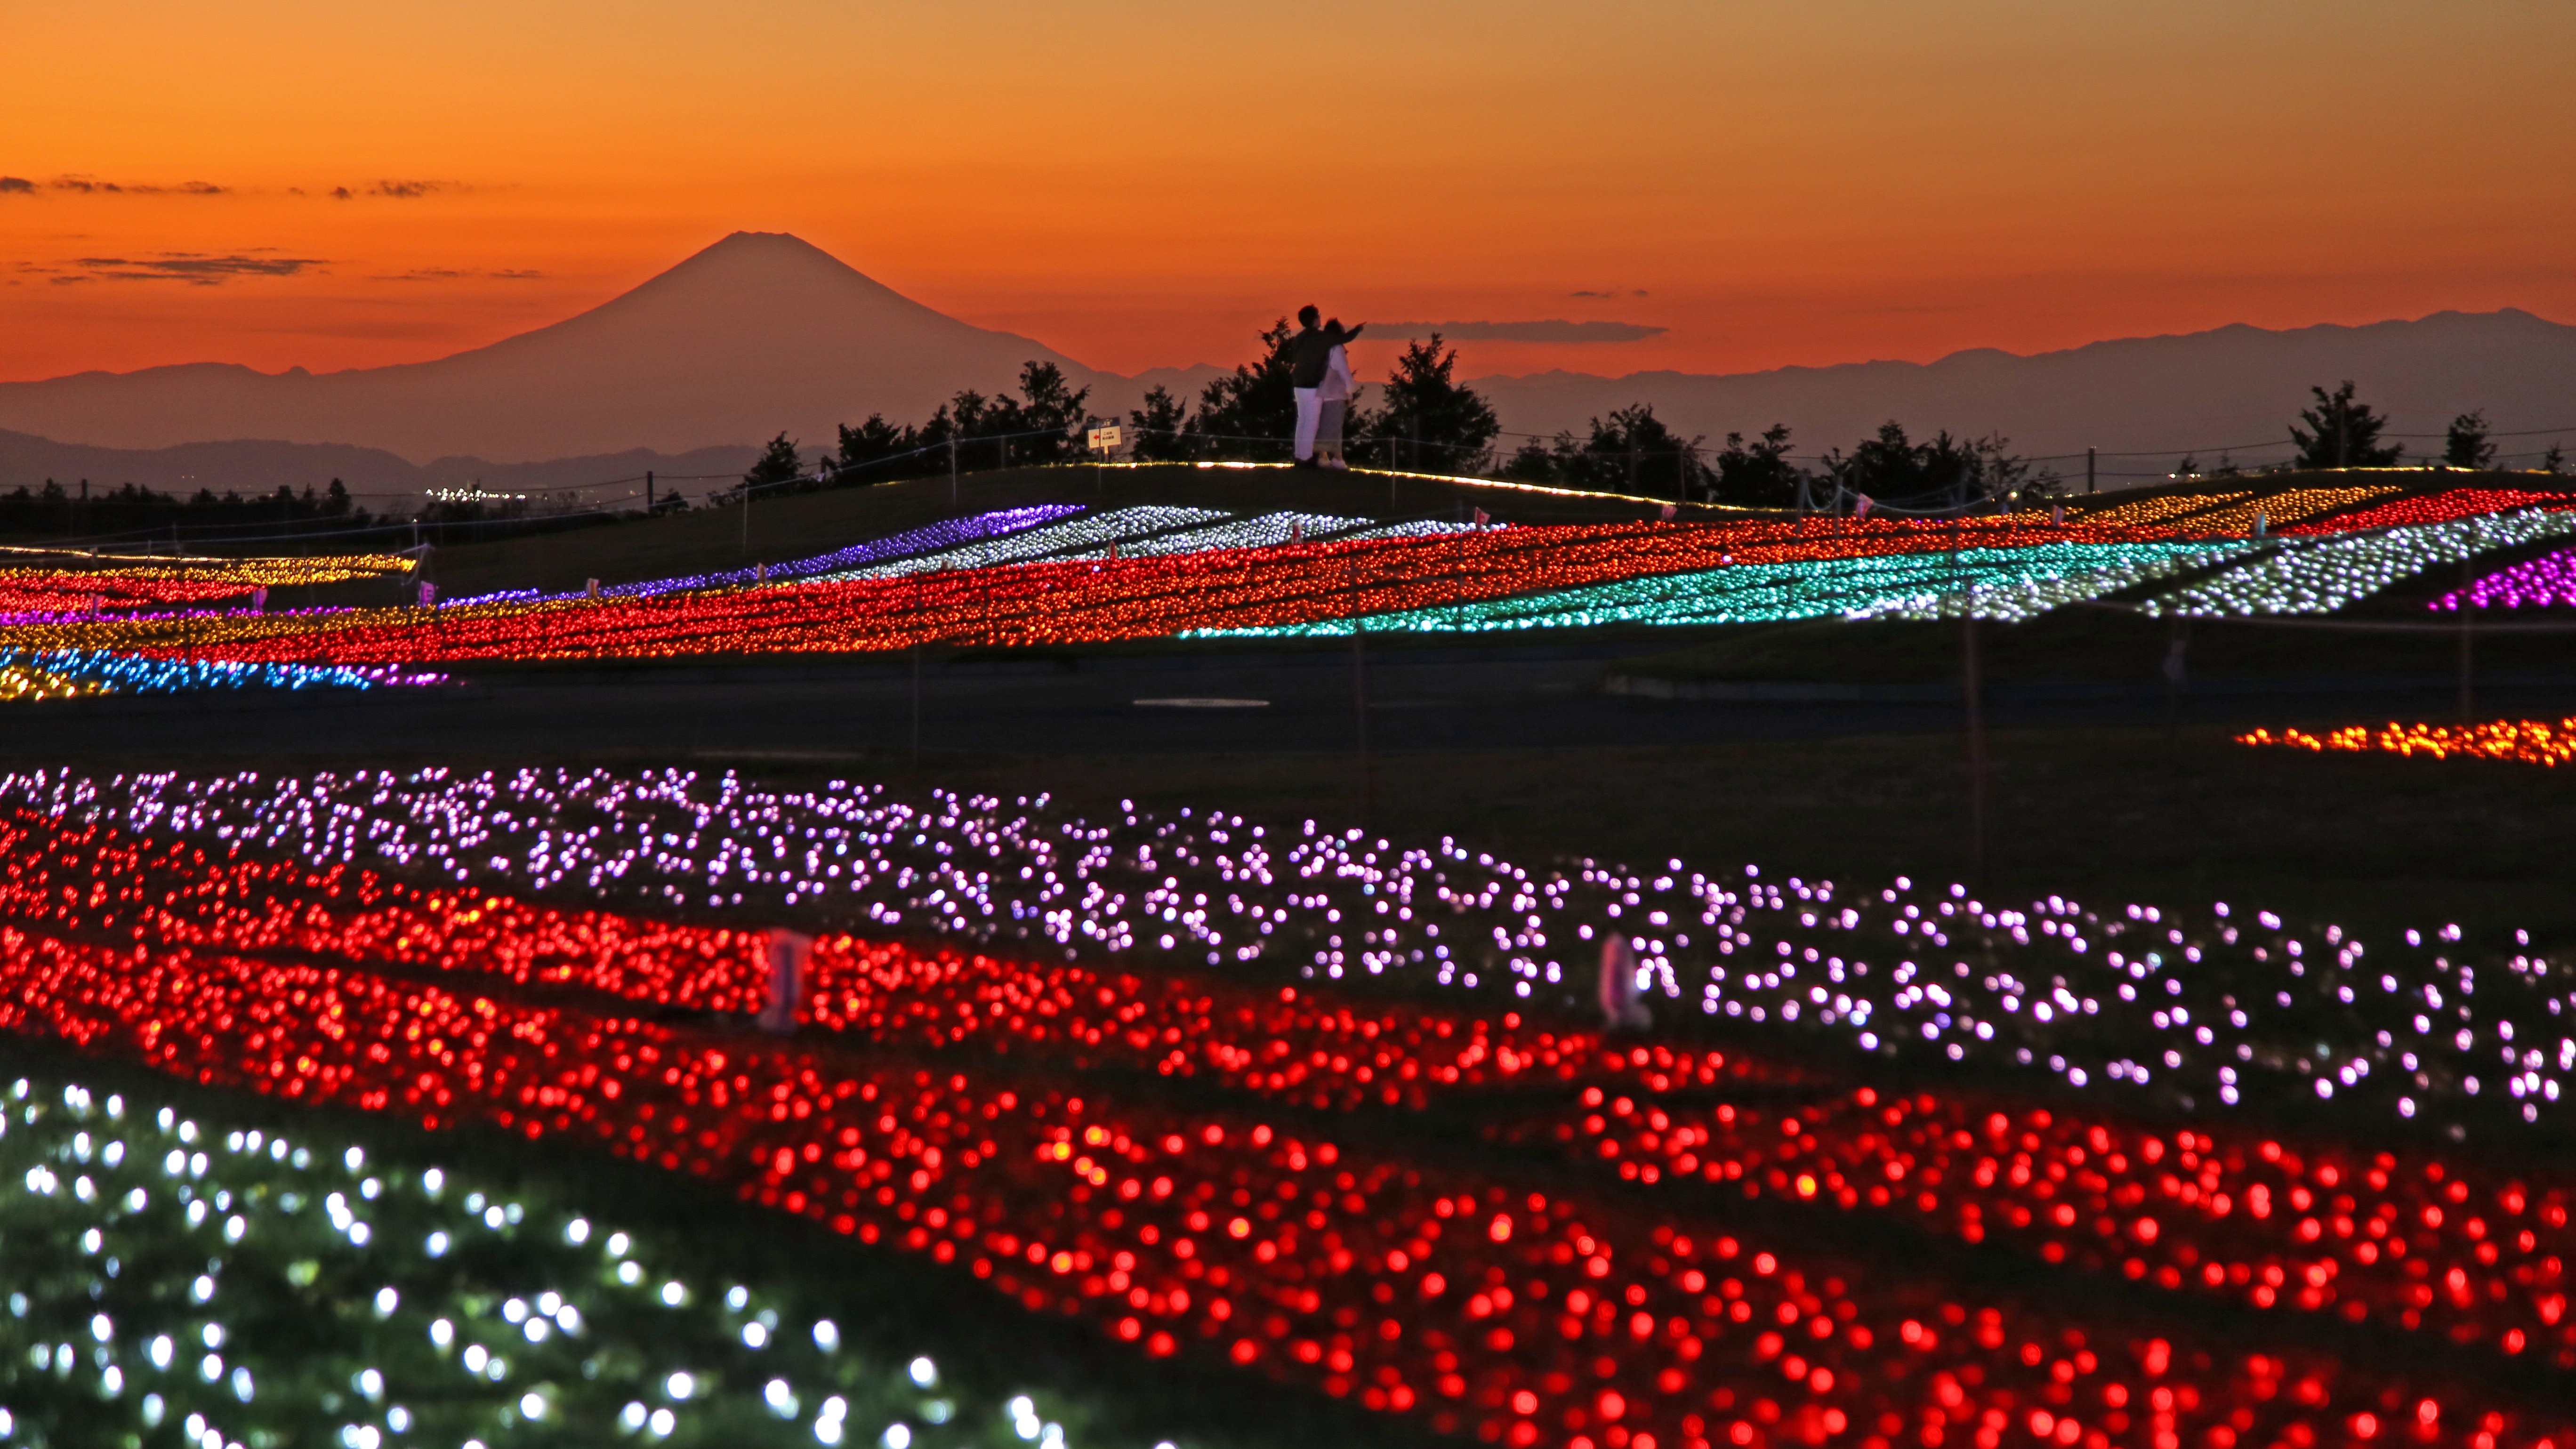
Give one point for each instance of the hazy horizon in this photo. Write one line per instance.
(1469, 347)
(765, 332)
(1730, 187)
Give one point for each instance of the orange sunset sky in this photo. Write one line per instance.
(1143, 184)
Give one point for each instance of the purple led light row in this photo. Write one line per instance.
(2535, 584)
(945, 534)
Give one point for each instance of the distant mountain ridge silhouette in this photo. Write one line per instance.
(2158, 396)
(759, 332)
(764, 332)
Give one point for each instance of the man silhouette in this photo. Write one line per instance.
(1310, 355)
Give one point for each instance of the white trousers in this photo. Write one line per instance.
(1310, 408)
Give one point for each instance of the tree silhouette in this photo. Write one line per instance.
(776, 464)
(2466, 445)
(2553, 461)
(2342, 433)
(1158, 426)
(1893, 468)
(1044, 424)
(1252, 411)
(1945, 472)
(131, 508)
(1049, 411)
(868, 452)
(1631, 451)
(1759, 474)
(1430, 420)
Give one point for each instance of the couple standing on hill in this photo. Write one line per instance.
(1320, 372)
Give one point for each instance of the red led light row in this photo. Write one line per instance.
(2423, 1247)
(1275, 1041)
(2444, 507)
(2417, 1245)
(1521, 1317)
(68, 592)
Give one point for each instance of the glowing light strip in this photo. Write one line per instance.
(947, 534)
(1998, 583)
(1293, 1046)
(2166, 510)
(132, 585)
(2524, 741)
(38, 674)
(2028, 583)
(249, 572)
(2322, 577)
(2443, 507)
(1268, 530)
(479, 1306)
(1075, 537)
(1362, 1273)
(2278, 510)
(2539, 583)
(2212, 1005)
(1422, 528)
(1069, 601)
(2230, 1217)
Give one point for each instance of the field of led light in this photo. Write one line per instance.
(1096, 571)
(176, 1274)
(1617, 1100)
(1073, 573)
(1328, 1114)
(1067, 582)
(100, 584)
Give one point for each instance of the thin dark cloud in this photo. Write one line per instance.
(456, 274)
(197, 269)
(1614, 292)
(1548, 331)
(396, 190)
(93, 186)
(16, 186)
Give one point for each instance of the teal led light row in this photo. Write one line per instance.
(1994, 583)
